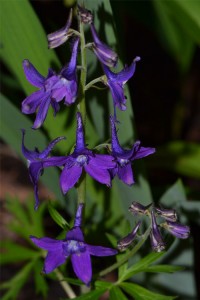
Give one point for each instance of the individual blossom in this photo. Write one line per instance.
(124, 157)
(60, 36)
(167, 214)
(85, 15)
(38, 161)
(104, 53)
(127, 240)
(116, 81)
(72, 246)
(96, 165)
(139, 209)
(178, 230)
(52, 89)
(157, 243)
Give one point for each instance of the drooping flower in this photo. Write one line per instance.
(127, 240)
(96, 165)
(178, 230)
(116, 81)
(38, 161)
(60, 36)
(52, 89)
(157, 242)
(137, 208)
(72, 246)
(104, 53)
(124, 157)
(167, 214)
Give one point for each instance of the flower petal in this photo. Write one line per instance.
(48, 149)
(55, 106)
(55, 161)
(32, 75)
(143, 152)
(125, 174)
(53, 260)
(69, 177)
(75, 234)
(31, 103)
(81, 263)
(47, 243)
(42, 112)
(35, 170)
(116, 148)
(103, 161)
(80, 138)
(100, 251)
(101, 175)
(117, 94)
(28, 154)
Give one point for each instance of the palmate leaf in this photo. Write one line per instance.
(140, 293)
(13, 253)
(16, 283)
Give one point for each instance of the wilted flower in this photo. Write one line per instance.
(124, 157)
(116, 81)
(96, 165)
(72, 246)
(157, 243)
(60, 36)
(38, 161)
(85, 15)
(52, 89)
(178, 230)
(139, 209)
(168, 214)
(127, 240)
(104, 53)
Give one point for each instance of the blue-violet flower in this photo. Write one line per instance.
(178, 230)
(37, 161)
(60, 36)
(157, 243)
(127, 240)
(124, 157)
(167, 214)
(52, 89)
(116, 81)
(96, 165)
(104, 53)
(137, 208)
(72, 246)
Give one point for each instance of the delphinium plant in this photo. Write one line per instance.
(104, 163)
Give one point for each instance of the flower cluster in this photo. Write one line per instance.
(170, 224)
(65, 85)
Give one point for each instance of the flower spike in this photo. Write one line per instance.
(72, 246)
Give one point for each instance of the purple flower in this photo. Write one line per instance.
(124, 157)
(139, 209)
(178, 230)
(127, 240)
(157, 243)
(96, 165)
(72, 246)
(104, 53)
(85, 15)
(116, 81)
(52, 89)
(167, 214)
(38, 161)
(60, 36)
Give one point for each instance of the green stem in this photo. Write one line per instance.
(66, 287)
(91, 83)
(81, 189)
(128, 255)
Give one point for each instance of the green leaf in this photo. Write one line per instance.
(16, 283)
(93, 295)
(102, 284)
(117, 294)
(13, 253)
(163, 269)
(56, 216)
(141, 264)
(174, 194)
(11, 122)
(140, 293)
